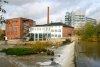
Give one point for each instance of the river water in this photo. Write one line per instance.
(88, 54)
(65, 59)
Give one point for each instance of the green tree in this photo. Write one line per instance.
(88, 30)
(97, 33)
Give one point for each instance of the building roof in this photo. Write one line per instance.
(56, 24)
(20, 18)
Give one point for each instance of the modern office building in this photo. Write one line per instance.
(18, 28)
(77, 19)
(50, 31)
(68, 18)
(90, 20)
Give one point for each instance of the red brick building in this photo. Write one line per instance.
(18, 28)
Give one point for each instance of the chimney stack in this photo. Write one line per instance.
(48, 15)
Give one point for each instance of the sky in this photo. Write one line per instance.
(37, 9)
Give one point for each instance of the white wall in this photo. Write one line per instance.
(55, 31)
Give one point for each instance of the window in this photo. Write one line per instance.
(55, 30)
(40, 35)
(52, 35)
(55, 35)
(36, 35)
(49, 35)
(59, 30)
(59, 35)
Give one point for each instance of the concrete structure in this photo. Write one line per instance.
(18, 28)
(50, 31)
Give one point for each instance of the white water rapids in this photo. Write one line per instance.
(64, 56)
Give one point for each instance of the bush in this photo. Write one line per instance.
(19, 51)
(27, 48)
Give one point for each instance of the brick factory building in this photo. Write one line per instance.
(18, 28)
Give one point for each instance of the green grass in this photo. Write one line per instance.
(22, 51)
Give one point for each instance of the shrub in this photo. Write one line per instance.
(19, 51)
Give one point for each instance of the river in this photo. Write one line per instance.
(88, 54)
(65, 58)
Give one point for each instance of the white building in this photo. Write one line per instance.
(51, 31)
(78, 19)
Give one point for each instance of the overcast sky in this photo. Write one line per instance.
(37, 9)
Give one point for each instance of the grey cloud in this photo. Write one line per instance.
(36, 12)
(20, 2)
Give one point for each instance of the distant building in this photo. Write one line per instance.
(77, 19)
(50, 31)
(90, 20)
(18, 28)
(68, 18)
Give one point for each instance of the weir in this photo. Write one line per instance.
(64, 57)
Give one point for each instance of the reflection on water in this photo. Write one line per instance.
(91, 49)
(88, 54)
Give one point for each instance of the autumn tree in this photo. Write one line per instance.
(97, 31)
(88, 30)
(2, 34)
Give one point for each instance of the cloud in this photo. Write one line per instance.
(37, 9)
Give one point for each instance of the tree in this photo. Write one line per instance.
(88, 30)
(2, 34)
(97, 33)
(2, 10)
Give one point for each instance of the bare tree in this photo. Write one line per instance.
(2, 11)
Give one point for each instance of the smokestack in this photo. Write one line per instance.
(48, 15)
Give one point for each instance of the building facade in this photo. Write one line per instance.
(91, 20)
(77, 19)
(68, 18)
(50, 31)
(18, 28)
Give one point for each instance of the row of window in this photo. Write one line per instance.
(39, 29)
(52, 30)
(45, 35)
(55, 35)
(59, 30)
(44, 28)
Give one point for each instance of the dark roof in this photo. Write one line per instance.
(56, 24)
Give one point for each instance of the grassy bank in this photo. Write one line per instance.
(27, 48)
